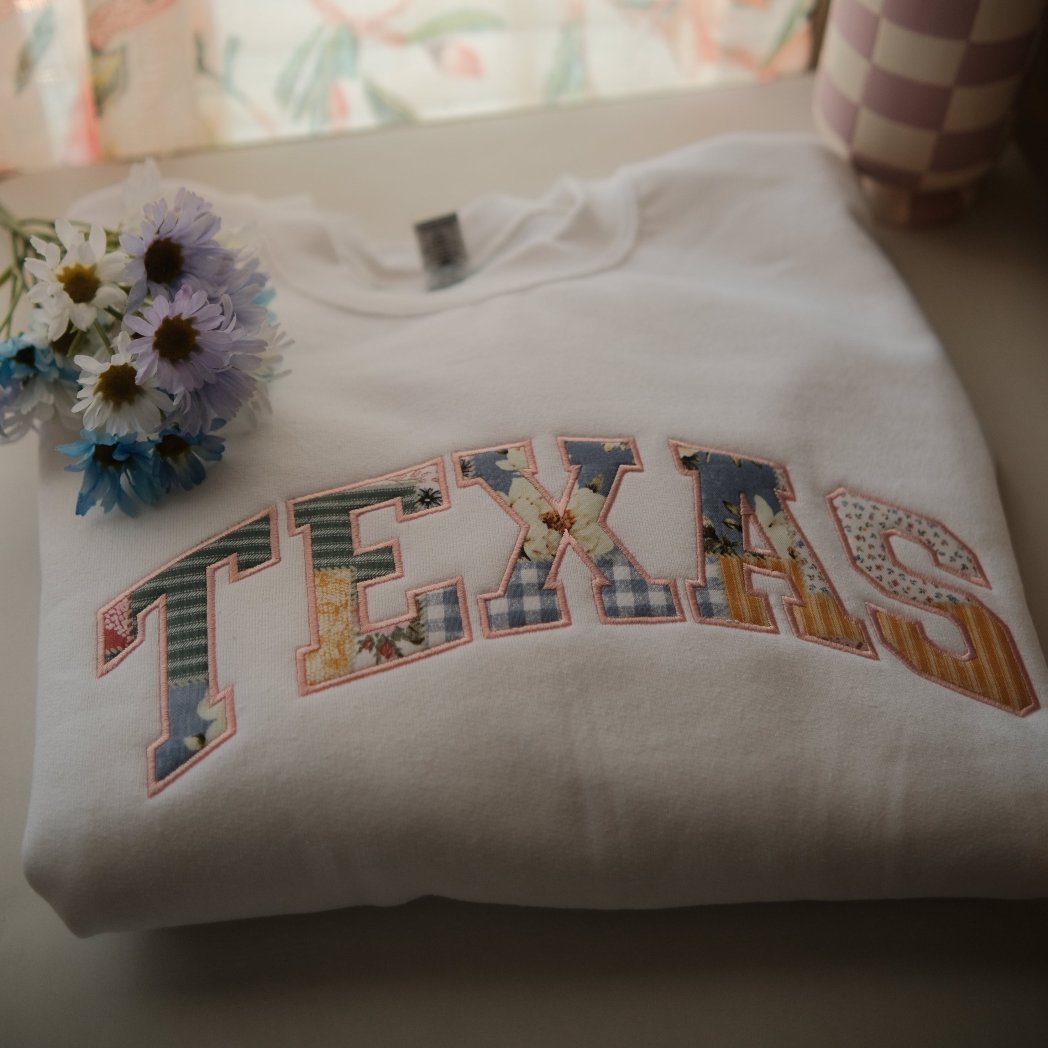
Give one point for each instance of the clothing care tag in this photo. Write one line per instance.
(443, 250)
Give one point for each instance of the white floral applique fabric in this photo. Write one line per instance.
(530, 597)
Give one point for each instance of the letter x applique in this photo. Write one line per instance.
(531, 597)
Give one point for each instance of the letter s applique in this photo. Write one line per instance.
(991, 669)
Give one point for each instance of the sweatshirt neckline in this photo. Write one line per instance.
(577, 228)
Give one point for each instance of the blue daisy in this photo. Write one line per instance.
(179, 457)
(117, 472)
(34, 383)
(17, 359)
(22, 359)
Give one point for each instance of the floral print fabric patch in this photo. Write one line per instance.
(195, 715)
(736, 498)
(990, 668)
(744, 529)
(340, 568)
(530, 596)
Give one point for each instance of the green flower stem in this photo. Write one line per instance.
(5, 327)
(9, 316)
(103, 337)
(26, 225)
(20, 232)
(7, 220)
(13, 276)
(23, 225)
(75, 344)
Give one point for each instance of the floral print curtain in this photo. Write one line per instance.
(84, 80)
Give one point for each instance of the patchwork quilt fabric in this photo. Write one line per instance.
(657, 562)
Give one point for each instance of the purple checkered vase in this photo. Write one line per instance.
(918, 94)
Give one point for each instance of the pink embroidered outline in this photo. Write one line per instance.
(749, 521)
(393, 544)
(483, 599)
(215, 695)
(599, 581)
(980, 579)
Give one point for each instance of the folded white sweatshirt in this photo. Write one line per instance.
(657, 562)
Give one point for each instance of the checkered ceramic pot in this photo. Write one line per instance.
(917, 94)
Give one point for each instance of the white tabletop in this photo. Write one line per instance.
(949, 972)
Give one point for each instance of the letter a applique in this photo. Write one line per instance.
(735, 497)
(531, 597)
(195, 715)
(345, 644)
(990, 669)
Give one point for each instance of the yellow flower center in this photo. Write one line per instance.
(164, 261)
(81, 283)
(555, 522)
(175, 339)
(118, 385)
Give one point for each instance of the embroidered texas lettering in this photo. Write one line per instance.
(531, 597)
(744, 527)
(339, 570)
(195, 715)
(990, 669)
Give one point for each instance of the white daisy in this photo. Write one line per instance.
(115, 398)
(72, 288)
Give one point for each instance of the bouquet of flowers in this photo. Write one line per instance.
(148, 339)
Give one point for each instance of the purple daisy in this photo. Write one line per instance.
(176, 243)
(185, 342)
(216, 402)
(245, 285)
